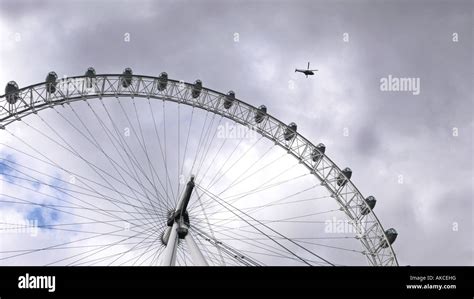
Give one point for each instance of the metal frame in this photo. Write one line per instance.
(36, 97)
(169, 254)
(195, 252)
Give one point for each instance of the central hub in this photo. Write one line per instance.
(179, 215)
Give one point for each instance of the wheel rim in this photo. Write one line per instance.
(370, 233)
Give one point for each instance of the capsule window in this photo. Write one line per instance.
(260, 114)
(229, 99)
(127, 76)
(11, 90)
(196, 91)
(162, 81)
(290, 132)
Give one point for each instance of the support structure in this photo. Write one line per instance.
(178, 228)
(169, 255)
(195, 252)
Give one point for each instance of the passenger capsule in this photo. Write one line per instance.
(260, 114)
(290, 131)
(51, 82)
(370, 201)
(318, 152)
(162, 81)
(229, 99)
(391, 235)
(197, 87)
(90, 73)
(344, 177)
(126, 78)
(90, 76)
(11, 90)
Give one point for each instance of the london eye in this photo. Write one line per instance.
(126, 169)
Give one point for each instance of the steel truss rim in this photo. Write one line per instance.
(180, 92)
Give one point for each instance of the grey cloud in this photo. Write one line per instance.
(390, 133)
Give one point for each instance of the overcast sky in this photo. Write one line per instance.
(413, 152)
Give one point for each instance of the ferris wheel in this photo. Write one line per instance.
(125, 169)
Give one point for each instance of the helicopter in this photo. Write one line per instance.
(307, 72)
